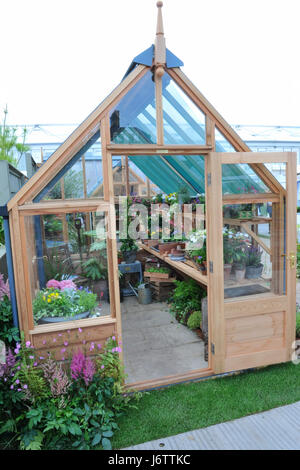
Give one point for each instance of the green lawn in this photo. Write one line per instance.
(185, 407)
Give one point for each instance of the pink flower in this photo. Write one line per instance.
(27, 344)
(66, 343)
(53, 283)
(80, 330)
(67, 284)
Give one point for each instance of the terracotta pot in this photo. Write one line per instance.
(227, 271)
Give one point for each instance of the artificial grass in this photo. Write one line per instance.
(185, 407)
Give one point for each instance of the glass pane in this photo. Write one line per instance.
(81, 177)
(253, 243)
(67, 256)
(241, 179)
(279, 171)
(222, 144)
(184, 122)
(133, 120)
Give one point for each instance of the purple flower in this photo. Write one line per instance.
(63, 350)
(11, 387)
(66, 343)
(28, 344)
(31, 357)
(25, 386)
(99, 346)
(102, 367)
(80, 330)
(17, 381)
(113, 338)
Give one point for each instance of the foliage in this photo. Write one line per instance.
(57, 267)
(73, 186)
(109, 364)
(75, 406)
(128, 244)
(94, 269)
(51, 302)
(196, 245)
(9, 142)
(160, 269)
(4, 288)
(254, 254)
(194, 320)
(8, 333)
(186, 298)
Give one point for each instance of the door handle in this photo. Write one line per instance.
(291, 258)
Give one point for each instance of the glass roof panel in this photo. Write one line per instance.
(184, 122)
(133, 119)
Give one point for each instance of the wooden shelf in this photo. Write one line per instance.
(252, 220)
(178, 265)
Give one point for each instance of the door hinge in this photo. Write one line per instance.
(212, 348)
(208, 179)
(211, 267)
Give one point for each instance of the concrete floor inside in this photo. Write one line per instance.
(155, 345)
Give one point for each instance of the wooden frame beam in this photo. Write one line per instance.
(155, 149)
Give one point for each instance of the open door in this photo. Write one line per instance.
(252, 260)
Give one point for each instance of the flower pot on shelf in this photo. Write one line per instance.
(203, 268)
(156, 275)
(227, 271)
(239, 272)
(254, 272)
(165, 248)
(129, 256)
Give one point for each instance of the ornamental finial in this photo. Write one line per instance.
(160, 42)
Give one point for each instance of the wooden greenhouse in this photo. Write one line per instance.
(158, 133)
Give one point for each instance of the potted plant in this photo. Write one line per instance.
(254, 267)
(96, 272)
(128, 250)
(157, 272)
(63, 303)
(239, 263)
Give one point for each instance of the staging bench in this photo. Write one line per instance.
(182, 266)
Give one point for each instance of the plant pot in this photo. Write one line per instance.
(203, 268)
(254, 272)
(239, 273)
(129, 256)
(227, 271)
(49, 320)
(167, 247)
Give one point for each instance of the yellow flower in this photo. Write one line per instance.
(44, 298)
(49, 300)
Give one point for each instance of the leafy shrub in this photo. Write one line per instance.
(194, 320)
(8, 333)
(186, 298)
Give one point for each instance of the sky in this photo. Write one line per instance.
(61, 58)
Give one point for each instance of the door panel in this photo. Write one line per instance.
(255, 310)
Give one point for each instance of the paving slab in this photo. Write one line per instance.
(276, 429)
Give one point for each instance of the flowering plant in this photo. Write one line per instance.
(53, 406)
(68, 302)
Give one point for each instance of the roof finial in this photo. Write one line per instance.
(160, 43)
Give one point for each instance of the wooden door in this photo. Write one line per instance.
(252, 311)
